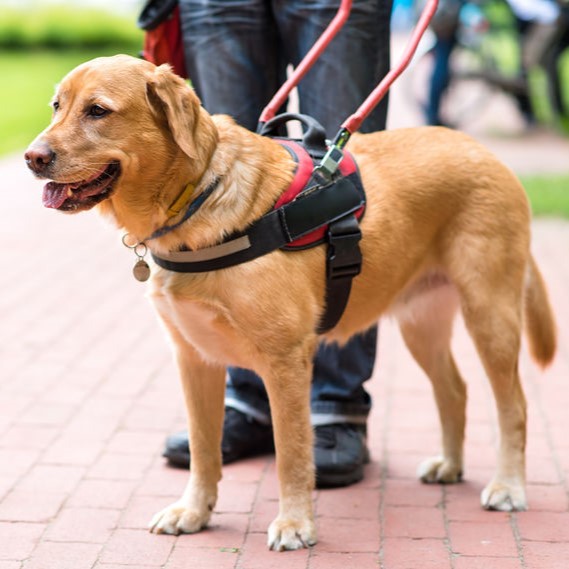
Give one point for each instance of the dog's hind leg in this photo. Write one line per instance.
(204, 388)
(426, 321)
(494, 321)
(288, 381)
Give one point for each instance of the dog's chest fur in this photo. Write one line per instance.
(207, 326)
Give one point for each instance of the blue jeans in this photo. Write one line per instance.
(237, 52)
(440, 78)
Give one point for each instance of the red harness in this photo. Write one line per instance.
(305, 166)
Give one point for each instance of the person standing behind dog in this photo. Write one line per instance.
(236, 54)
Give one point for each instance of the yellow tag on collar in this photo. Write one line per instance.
(181, 200)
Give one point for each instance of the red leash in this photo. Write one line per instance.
(307, 62)
(353, 123)
(330, 162)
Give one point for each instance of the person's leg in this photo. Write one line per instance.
(523, 100)
(247, 427)
(232, 56)
(339, 409)
(352, 65)
(235, 64)
(342, 78)
(552, 46)
(338, 395)
(440, 78)
(338, 389)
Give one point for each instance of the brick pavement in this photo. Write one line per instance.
(88, 393)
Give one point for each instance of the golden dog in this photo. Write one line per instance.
(447, 226)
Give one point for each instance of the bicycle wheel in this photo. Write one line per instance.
(468, 92)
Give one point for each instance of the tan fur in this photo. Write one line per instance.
(447, 226)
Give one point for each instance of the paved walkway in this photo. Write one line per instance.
(88, 393)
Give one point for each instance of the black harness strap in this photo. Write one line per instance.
(343, 263)
(274, 230)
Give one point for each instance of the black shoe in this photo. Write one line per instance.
(340, 452)
(243, 437)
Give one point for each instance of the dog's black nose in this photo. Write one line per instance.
(39, 158)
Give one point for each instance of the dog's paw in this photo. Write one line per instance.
(178, 518)
(291, 534)
(441, 470)
(504, 497)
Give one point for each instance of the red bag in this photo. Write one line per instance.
(163, 42)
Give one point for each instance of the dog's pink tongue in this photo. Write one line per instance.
(54, 194)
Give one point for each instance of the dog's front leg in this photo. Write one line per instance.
(204, 387)
(288, 386)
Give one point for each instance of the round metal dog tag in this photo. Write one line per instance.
(141, 270)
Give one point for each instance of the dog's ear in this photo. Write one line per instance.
(170, 97)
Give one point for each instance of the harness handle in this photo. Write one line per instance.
(154, 13)
(313, 137)
(333, 157)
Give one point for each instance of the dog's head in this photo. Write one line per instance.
(120, 123)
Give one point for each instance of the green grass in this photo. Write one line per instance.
(39, 44)
(28, 85)
(548, 194)
(64, 26)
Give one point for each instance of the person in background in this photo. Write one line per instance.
(445, 26)
(237, 53)
(538, 23)
(542, 23)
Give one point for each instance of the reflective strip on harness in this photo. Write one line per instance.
(275, 230)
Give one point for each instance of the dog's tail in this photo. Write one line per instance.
(539, 321)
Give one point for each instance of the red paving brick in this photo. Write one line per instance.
(204, 558)
(136, 547)
(85, 525)
(19, 539)
(344, 561)
(63, 555)
(538, 555)
(10, 564)
(465, 562)
(406, 553)
(88, 392)
(490, 539)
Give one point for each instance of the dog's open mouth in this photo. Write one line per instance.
(84, 194)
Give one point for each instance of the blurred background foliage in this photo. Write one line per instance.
(40, 42)
(61, 26)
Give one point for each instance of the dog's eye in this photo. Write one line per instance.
(55, 106)
(97, 111)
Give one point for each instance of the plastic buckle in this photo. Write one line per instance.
(329, 164)
(344, 256)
